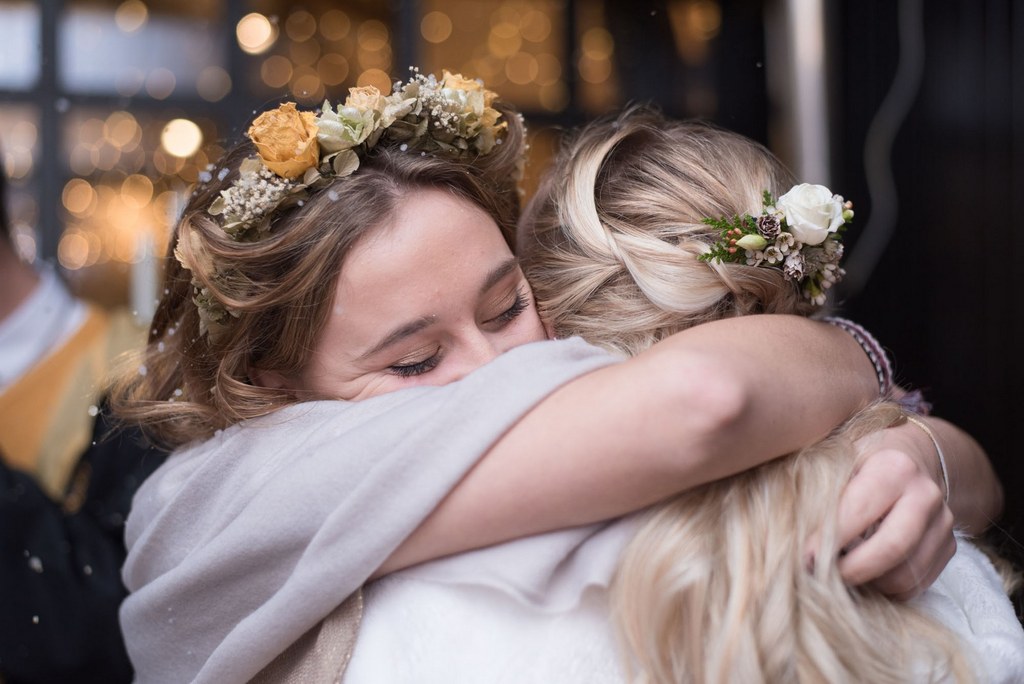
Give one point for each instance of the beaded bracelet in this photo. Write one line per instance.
(871, 347)
(938, 450)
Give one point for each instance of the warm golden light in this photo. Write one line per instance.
(504, 40)
(372, 35)
(333, 69)
(375, 77)
(306, 84)
(255, 33)
(597, 44)
(549, 69)
(137, 190)
(160, 83)
(131, 15)
(594, 70)
(72, 251)
(535, 26)
(305, 53)
(122, 130)
(213, 84)
(181, 138)
(79, 198)
(300, 26)
(554, 98)
(522, 68)
(276, 71)
(436, 27)
(335, 25)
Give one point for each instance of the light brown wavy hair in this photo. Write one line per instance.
(185, 386)
(714, 587)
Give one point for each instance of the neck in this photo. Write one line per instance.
(17, 281)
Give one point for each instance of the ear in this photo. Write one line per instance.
(549, 328)
(270, 379)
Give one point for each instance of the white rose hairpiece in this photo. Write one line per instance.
(299, 152)
(799, 233)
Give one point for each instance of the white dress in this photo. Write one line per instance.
(535, 611)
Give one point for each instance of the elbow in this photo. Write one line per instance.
(716, 401)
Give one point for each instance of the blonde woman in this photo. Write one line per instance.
(648, 226)
(350, 367)
(537, 609)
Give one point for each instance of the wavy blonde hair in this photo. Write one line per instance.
(714, 587)
(185, 385)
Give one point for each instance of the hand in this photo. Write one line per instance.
(895, 501)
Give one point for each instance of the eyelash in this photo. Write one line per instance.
(418, 368)
(511, 313)
(426, 365)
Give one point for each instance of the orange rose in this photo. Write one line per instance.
(285, 139)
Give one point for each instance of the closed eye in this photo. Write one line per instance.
(521, 303)
(418, 368)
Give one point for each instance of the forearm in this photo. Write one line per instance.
(975, 494)
(701, 405)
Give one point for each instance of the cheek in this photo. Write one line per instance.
(374, 386)
(531, 328)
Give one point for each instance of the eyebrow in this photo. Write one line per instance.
(412, 327)
(499, 273)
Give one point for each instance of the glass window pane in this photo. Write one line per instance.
(19, 35)
(135, 49)
(19, 150)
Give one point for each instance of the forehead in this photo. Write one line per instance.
(433, 243)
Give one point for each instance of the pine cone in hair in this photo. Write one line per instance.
(768, 226)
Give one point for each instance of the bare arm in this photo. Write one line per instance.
(900, 483)
(708, 402)
(975, 493)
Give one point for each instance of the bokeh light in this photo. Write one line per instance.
(131, 15)
(181, 138)
(436, 27)
(213, 84)
(335, 25)
(255, 33)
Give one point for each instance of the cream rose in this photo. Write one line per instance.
(812, 212)
(286, 140)
(365, 97)
(459, 82)
(346, 127)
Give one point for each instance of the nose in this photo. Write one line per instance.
(477, 349)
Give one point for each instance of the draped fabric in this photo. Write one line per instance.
(241, 544)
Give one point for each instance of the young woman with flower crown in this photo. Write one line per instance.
(341, 361)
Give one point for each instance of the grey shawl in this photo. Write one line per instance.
(239, 545)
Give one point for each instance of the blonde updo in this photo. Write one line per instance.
(714, 586)
(280, 288)
(616, 227)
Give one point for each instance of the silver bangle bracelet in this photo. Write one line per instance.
(938, 450)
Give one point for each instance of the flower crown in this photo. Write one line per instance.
(300, 152)
(800, 233)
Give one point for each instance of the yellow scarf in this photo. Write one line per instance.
(46, 416)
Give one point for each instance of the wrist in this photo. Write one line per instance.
(937, 461)
(872, 349)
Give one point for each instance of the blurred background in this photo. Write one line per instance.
(110, 109)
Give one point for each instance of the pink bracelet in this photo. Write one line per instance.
(871, 347)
